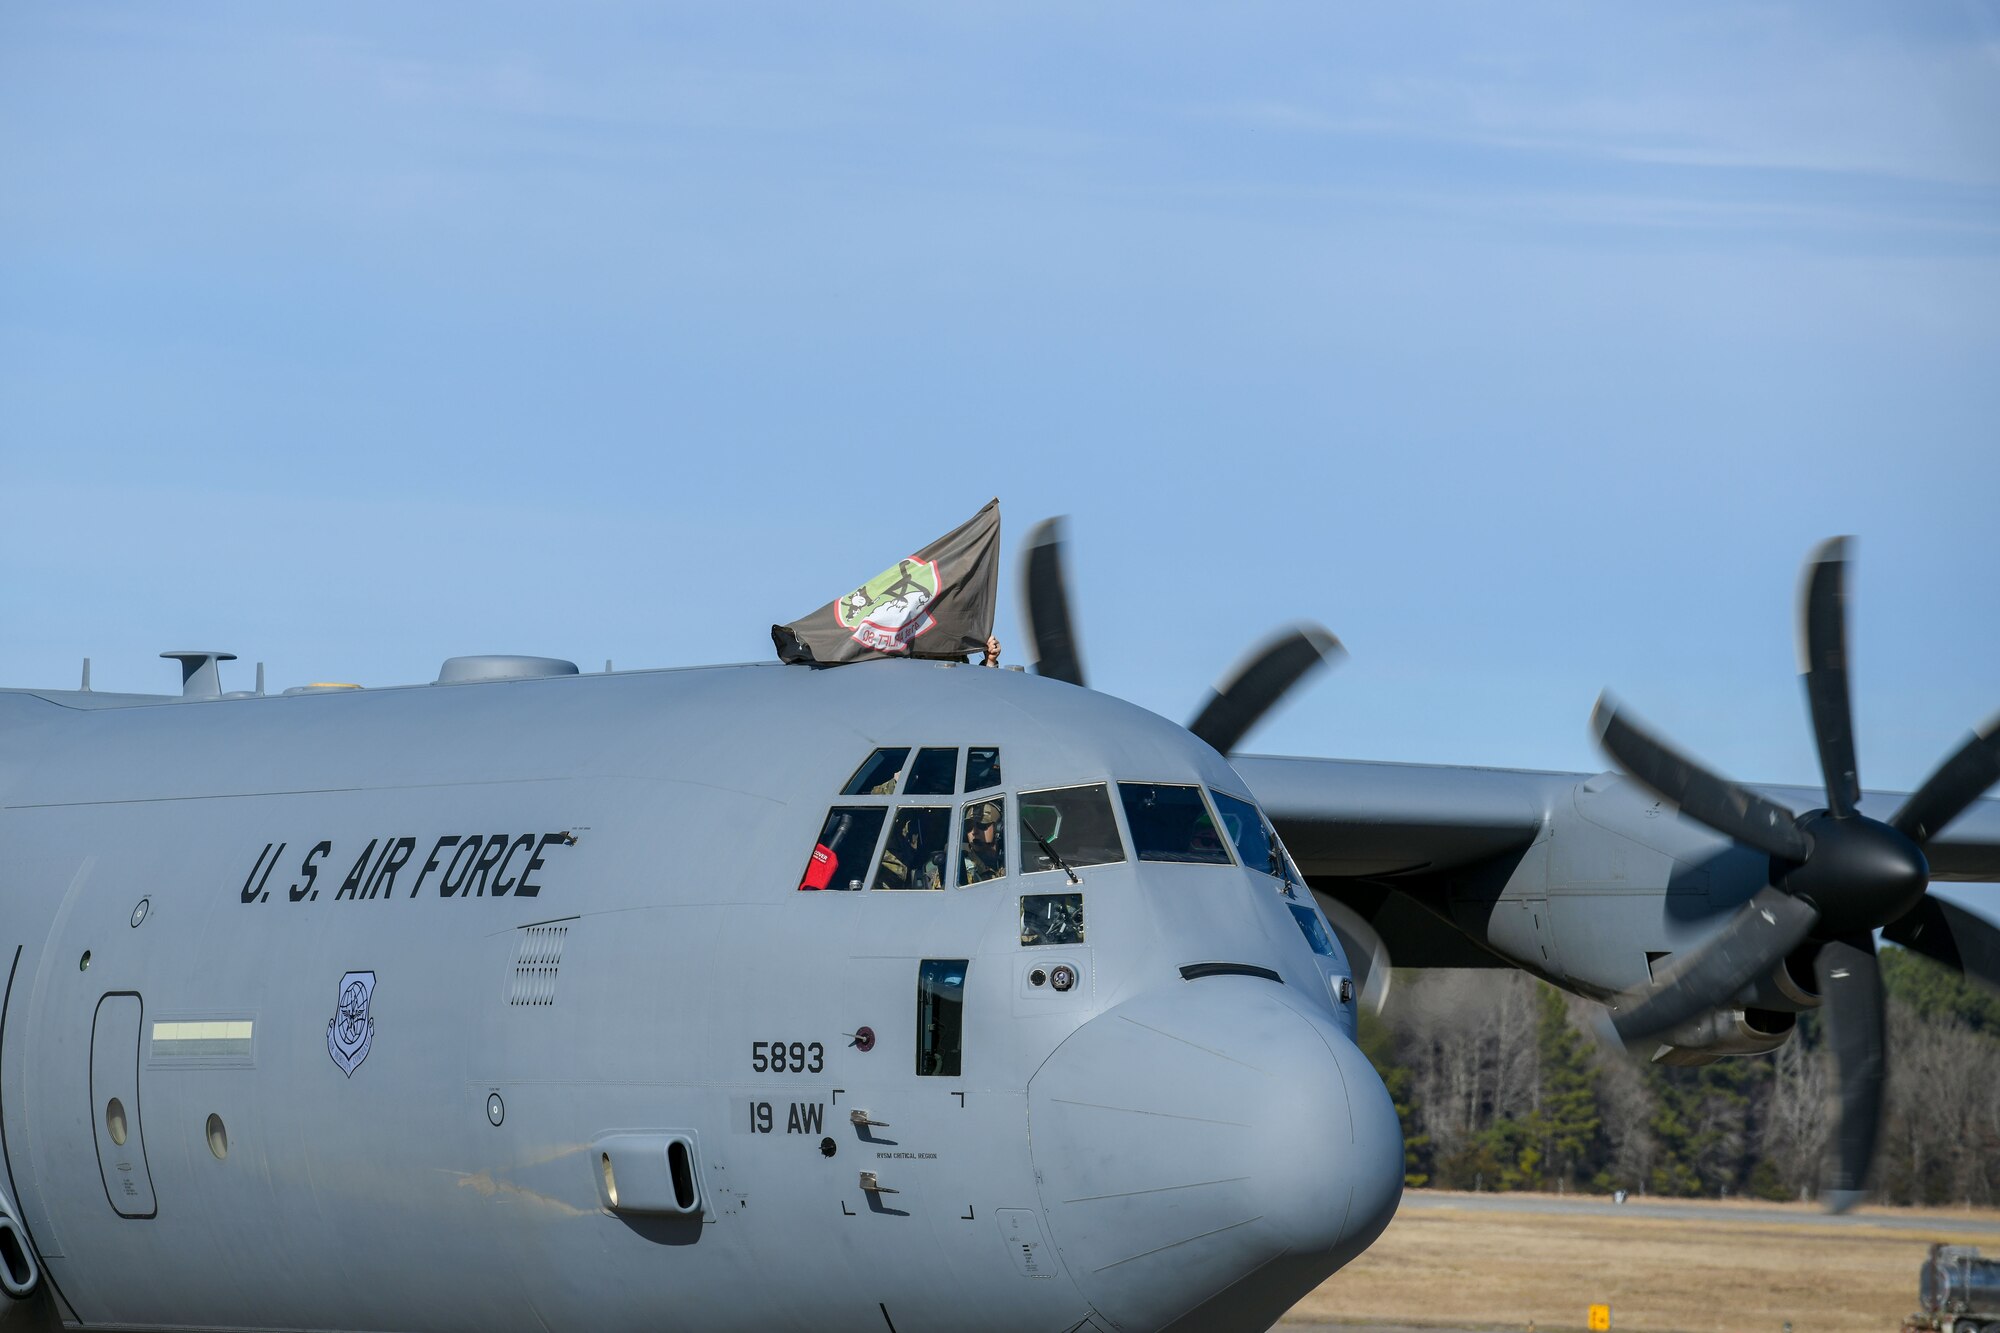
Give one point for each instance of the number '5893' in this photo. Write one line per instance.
(787, 1057)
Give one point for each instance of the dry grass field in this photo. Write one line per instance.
(1445, 1266)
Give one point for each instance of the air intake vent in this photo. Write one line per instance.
(535, 965)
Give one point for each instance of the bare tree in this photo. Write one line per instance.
(1627, 1106)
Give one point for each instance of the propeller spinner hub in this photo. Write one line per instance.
(1860, 874)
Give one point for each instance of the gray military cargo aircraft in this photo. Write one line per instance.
(904, 995)
(536, 1000)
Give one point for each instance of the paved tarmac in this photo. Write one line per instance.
(1930, 1221)
(1287, 1326)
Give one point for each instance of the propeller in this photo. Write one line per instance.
(1047, 606)
(1836, 876)
(1262, 677)
(1248, 691)
(1366, 954)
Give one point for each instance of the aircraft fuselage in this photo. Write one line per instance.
(500, 1006)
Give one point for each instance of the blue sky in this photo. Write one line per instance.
(1529, 347)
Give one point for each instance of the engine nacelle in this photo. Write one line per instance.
(1706, 1039)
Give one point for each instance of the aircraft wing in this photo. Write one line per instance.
(1383, 838)
(1350, 825)
(1353, 819)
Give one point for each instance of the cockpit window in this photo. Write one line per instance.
(1171, 823)
(1051, 918)
(878, 773)
(914, 857)
(982, 841)
(934, 774)
(840, 858)
(1244, 824)
(1314, 928)
(1073, 822)
(982, 768)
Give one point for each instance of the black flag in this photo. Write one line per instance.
(936, 603)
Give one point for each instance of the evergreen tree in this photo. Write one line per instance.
(1935, 991)
(1566, 1118)
(1378, 1043)
(1700, 1125)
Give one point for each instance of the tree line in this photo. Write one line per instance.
(1501, 1085)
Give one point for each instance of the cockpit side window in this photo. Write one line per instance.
(934, 773)
(940, 1016)
(1171, 823)
(982, 768)
(840, 858)
(878, 773)
(982, 841)
(915, 855)
(1248, 833)
(1073, 823)
(1314, 930)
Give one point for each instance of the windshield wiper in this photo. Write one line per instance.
(1049, 851)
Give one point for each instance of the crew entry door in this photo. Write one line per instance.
(114, 1105)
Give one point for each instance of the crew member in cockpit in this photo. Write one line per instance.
(905, 862)
(982, 856)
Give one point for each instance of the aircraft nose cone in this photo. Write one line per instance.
(1210, 1152)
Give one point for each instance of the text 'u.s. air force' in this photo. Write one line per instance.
(460, 865)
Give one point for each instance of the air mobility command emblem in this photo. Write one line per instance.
(352, 1031)
(887, 613)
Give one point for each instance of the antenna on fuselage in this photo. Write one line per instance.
(201, 677)
(260, 680)
(85, 687)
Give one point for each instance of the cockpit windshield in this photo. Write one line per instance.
(1245, 826)
(1171, 823)
(878, 773)
(934, 772)
(1071, 826)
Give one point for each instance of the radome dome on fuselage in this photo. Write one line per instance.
(1151, 1147)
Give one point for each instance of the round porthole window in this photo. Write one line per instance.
(114, 1121)
(83, 963)
(139, 912)
(218, 1137)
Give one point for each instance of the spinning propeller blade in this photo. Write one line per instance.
(1250, 690)
(1047, 604)
(1362, 944)
(1260, 679)
(1836, 876)
(1946, 933)
(1760, 935)
(1957, 783)
(1728, 808)
(1823, 668)
(1850, 982)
